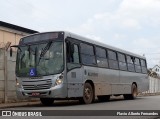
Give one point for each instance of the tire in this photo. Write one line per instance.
(133, 95)
(103, 98)
(47, 101)
(88, 94)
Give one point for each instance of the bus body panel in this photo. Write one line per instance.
(75, 82)
(140, 79)
(108, 78)
(90, 73)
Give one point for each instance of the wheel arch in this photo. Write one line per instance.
(135, 84)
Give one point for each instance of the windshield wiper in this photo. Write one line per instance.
(43, 52)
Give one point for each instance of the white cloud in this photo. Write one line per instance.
(131, 14)
(119, 36)
(145, 43)
(131, 23)
(145, 11)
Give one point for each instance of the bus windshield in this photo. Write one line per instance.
(45, 58)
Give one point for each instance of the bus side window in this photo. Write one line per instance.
(130, 63)
(72, 55)
(143, 66)
(87, 54)
(122, 62)
(113, 62)
(137, 65)
(101, 55)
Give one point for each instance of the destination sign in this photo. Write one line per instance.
(42, 37)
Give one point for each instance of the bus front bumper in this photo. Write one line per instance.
(58, 91)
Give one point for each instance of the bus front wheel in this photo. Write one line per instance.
(47, 101)
(88, 94)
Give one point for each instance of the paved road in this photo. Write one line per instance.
(141, 103)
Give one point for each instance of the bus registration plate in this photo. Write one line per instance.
(35, 94)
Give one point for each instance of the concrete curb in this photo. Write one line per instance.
(148, 94)
(18, 104)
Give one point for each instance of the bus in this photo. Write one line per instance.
(62, 65)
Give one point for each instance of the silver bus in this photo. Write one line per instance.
(62, 65)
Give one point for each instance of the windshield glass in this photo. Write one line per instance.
(43, 59)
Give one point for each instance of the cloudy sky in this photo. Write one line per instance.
(132, 25)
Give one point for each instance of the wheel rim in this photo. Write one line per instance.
(87, 93)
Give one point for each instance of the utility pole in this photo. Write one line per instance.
(5, 77)
(7, 45)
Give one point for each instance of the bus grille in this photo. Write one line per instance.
(37, 85)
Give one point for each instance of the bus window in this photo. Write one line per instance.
(137, 65)
(87, 54)
(100, 52)
(72, 56)
(87, 49)
(112, 55)
(130, 61)
(143, 63)
(113, 63)
(101, 57)
(122, 62)
(143, 66)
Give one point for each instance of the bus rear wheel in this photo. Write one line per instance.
(88, 94)
(47, 101)
(134, 93)
(103, 98)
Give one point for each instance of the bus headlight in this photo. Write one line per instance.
(59, 80)
(17, 84)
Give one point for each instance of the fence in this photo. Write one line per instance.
(154, 85)
(7, 76)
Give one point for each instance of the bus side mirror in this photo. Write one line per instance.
(11, 52)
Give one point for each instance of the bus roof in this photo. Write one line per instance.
(73, 35)
(81, 38)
